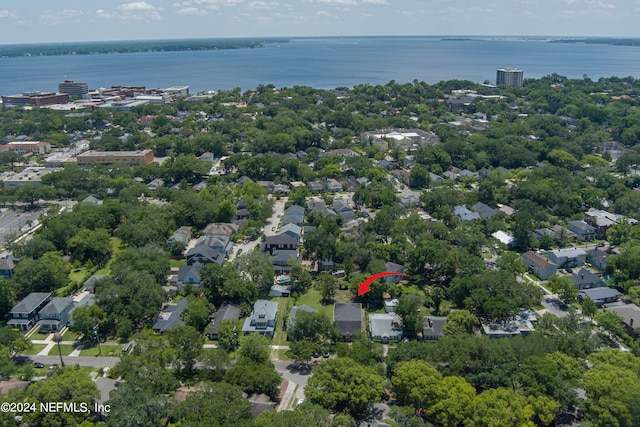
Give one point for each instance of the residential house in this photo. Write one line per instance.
(401, 175)
(582, 229)
(189, 275)
(465, 214)
(409, 201)
(24, 315)
(6, 268)
(568, 257)
(293, 215)
(89, 284)
(279, 291)
(485, 211)
(630, 314)
(205, 255)
(387, 164)
(349, 184)
(342, 208)
(506, 209)
(156, 184)
(281, 189)
(343, 152)
(267, 185)
(263, 318)
(56, 314)
(363, 181)
(92, 200)
(326, 265)
(333, 185)
(585, 279)
(602, 295)
(390, 305)
(433, 327)
(207, 157)
(291, 230)
(385, 327)
(315, 186)
(218, 243)
(294, 312)
(281, 258)
(504, 237)
(598, 257)
(170, 316)
(436, 179)
(182, 235)
(220, 229)
(540, 266)
(279, 242)
(227, 311)
(348, 318)
(200, 186)
(319, 206)
(392, 266)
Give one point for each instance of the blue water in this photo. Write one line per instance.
(323, 63)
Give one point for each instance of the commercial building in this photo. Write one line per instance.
(509, 77)
(93, 157)
(31, 175)
(73, 88)
(37, 99)
(24, 147)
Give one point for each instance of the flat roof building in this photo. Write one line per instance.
(509, 77)
(38, 99)
(110, 157)
(24, 147)
(73, 88)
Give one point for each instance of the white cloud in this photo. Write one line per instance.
(191, 11)
(600, 4)
(262, 5)
(135, 6)
(381, 2)
(59, 18)
(4, 13)
(336, 2)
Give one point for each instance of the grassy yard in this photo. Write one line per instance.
(107, 351)
(280, 337)
(70, 335)
(312, 299)
(117, 248)
(35, 349)
(174, 263)
(66, 350)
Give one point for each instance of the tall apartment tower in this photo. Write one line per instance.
(73, 88)
(509, 77)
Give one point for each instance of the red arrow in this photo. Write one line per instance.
(363, 287)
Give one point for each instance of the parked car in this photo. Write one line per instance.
(38, 365)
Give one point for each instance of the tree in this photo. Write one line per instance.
(217, 404)
(257, 266)
(45, 274)
(437, 296)
(254, 377)
(501, 407)
(589, 307)
(342, 384)
(85, 318)
(197, 313)
(228, 333)
(304, 414)
(254, 348)
(613, 395)
(147, 260)
(133, 405)
(94, 245)
(419, 177)
(327, 284)
(414, 383)
(409, 309)
(512, 262)
(187, 343)
(611, 322)
(311, 326)
(69, 385)
(564, 287)
(303, 351)
(460, 322)
(453, 401)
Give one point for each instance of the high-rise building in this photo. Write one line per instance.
(73, 88)
(509, 77)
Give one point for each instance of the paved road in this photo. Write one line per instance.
(96, 362)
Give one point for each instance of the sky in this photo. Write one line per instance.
(44, 21)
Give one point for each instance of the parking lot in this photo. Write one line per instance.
(12, 222)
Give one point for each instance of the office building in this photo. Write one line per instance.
(37, 99)
(93, 157)
(509, 77)
(73, 88)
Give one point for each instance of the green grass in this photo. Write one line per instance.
(312, 299)
(174, 263)
(280, 337)
(70, 335)
(66, 350)
(35, 349)
(117, 248)
(107, 351)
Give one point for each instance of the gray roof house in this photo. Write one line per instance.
(291, 230)
(24, 315)
(433, 327)
(568, 257)
(348, 318)
(582, 229)
(598, 257)
(182, 235)
(227, 311)
(55, 315)
(189, 274)
(600, 296)
(263, 318)
(392, 266)
(170, 316)
(485, 211)
(295, 310)
(465, 214)
(540, 266)
(585, 279)
(385, 327)
(630, 314)
(205, 255)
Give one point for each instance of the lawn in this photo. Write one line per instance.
(35, 349)
(174, 263)
(280, 337)
(70, 335)
(66, 350)
(116, 247)
(312, 299)
(107, 351)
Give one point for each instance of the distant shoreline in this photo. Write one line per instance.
(101, 48)
(177, 45)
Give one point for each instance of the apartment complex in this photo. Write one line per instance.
(509, 77)
(93, 157)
